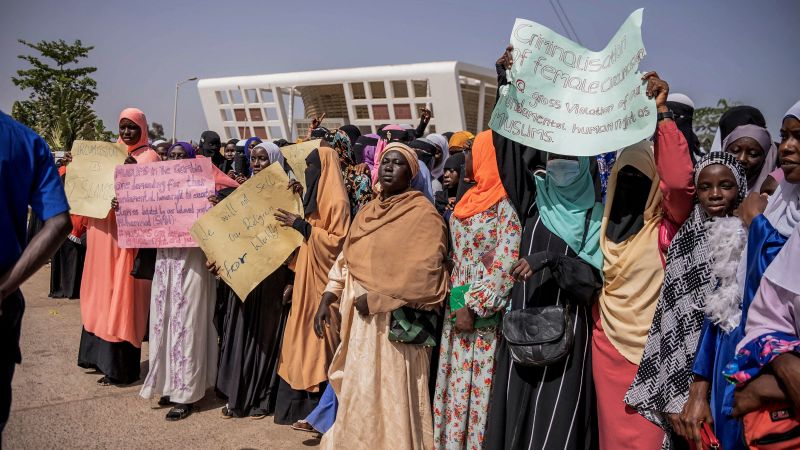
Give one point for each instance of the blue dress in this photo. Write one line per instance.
(717, 348)
(323, 416)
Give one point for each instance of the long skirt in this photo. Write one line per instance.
(66, 270)
(293, 405)
(463, 386)
(183, 341)
(382, 386)
(250, 346)
(545, 407)
(119, 361)
(114, 305)
(619, 425)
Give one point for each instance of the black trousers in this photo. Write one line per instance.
(13, 307)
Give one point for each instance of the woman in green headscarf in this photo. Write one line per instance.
(551, 406)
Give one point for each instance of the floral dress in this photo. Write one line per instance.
(485, 247)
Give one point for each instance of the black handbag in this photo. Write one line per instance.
(541, 335)
(144, 264)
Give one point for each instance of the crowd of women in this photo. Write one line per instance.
(455, 291)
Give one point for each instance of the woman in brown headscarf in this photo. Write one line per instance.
(378, 380)
(304, 360)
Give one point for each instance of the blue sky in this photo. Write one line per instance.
(741, 50)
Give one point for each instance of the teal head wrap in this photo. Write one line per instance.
(563, 210)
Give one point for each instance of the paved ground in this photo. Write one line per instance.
(59, 405)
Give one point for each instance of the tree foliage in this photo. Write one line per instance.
(156, 131)
(61, 94)
(706, 121)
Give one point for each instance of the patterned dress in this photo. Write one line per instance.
(183, 341)
(485, 247)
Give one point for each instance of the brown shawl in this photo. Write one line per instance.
(396, 250)
(304, 357)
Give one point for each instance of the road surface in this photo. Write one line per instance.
(58, 404)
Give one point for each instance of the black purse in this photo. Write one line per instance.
(539, 336)
(542, 335)
(144, 264)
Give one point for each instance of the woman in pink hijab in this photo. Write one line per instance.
(114, 304)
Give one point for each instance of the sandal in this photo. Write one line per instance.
(226, 413)
(179, 412)
(257, 416)
(302, 425)
(105, 381)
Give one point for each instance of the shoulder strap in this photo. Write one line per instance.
(586, 223)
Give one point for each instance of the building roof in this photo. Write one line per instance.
(326, 76)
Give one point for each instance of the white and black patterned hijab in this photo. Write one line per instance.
(661, 385)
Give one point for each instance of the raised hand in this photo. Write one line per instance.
(506, 60)
(658, 89)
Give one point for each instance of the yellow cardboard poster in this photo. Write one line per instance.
(240, 234)
(296, 157)
(90, 177)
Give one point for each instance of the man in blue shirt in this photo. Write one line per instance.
(28, 177)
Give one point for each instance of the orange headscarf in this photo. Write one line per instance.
(459, 139)
(489, 188)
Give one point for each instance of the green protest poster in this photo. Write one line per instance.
(566, 99)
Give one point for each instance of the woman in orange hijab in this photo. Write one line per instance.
(114, 304)
(486, 234)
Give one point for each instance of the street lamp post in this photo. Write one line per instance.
(175, 109)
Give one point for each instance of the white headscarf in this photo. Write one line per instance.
(783, 209)
(441, 142)
(274, 153)
(680, 98)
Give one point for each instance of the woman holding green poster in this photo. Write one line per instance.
(552, 406)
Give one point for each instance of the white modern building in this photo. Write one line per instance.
(280, 106)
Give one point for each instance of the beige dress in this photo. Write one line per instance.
(382, 386)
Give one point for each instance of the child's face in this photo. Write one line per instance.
(230, 152)
(717, 190)
(450, 178)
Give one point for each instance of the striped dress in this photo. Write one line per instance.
(550, 407)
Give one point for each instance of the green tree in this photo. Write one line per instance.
(61, 94)
(706, 121)
(156, 131)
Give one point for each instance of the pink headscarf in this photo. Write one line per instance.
(379, 150)
(141, 150)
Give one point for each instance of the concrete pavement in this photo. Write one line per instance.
(56, 404)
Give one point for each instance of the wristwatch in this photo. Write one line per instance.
(665, 115)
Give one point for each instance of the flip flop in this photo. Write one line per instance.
(302, 425)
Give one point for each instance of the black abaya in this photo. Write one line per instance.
(118, 361)
(251, 333)
(66, 270)
(553, 406)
